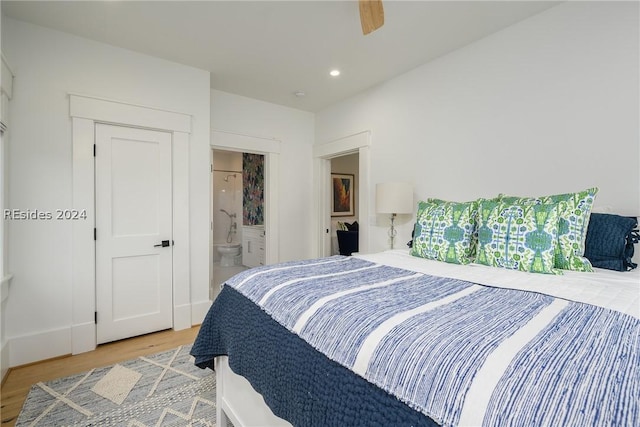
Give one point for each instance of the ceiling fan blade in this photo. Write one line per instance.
(371, 15)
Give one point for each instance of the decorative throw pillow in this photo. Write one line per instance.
(518, 236)
(443, 231)
(610, 240)
(413, 232)
(572, 225)
(352, 227)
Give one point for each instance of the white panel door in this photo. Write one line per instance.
(133, 217)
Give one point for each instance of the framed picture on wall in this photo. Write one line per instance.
(342, 195)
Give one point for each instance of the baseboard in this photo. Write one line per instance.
(181, 317)
(83, 337)
(4, 360)
(4, 287)
(41, 346)
(80, 338)
(4, 344)
(199, 311)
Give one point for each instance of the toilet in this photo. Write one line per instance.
(229, 254)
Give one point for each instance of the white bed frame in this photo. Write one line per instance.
(238, 402)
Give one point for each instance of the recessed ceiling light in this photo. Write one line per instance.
(299, 93)
(334, 73)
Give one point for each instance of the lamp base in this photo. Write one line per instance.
(392, 231)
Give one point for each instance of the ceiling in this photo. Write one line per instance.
(268, 50)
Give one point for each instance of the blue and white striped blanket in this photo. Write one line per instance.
(461, 353)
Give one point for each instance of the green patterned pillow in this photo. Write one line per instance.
(518, 236)
(572, 225)
(443, 231)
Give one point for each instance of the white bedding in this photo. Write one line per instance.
(614, 290)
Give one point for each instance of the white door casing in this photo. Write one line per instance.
(323, 153)
(85, 111)
(133, 216)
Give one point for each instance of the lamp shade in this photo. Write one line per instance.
(394, 198)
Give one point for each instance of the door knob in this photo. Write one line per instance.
(163, 244)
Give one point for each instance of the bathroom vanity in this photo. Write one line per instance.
(253, 245)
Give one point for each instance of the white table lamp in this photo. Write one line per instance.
(394, 198)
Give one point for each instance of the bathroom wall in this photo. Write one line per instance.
(227, 195)
(253, 189)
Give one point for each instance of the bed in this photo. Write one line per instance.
(390, 339)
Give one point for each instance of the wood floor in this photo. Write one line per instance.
(19, 380)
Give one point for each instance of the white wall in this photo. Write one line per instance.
(48, 65)
(294, 129)
(545, 106)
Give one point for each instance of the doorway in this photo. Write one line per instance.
(269, 148)
(238, 237)
(345, 167)
(323, 153)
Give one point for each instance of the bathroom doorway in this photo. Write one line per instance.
(237, 219)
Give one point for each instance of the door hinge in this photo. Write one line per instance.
(95, 234)
(95, 317)
(94, 150)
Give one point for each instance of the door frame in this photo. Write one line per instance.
(322, 154)
(85, 111)
(270, 149)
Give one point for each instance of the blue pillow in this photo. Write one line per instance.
(609, 242)
(352, 227)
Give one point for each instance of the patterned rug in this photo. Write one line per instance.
(164, 389)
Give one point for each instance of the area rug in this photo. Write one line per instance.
(164, 389)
